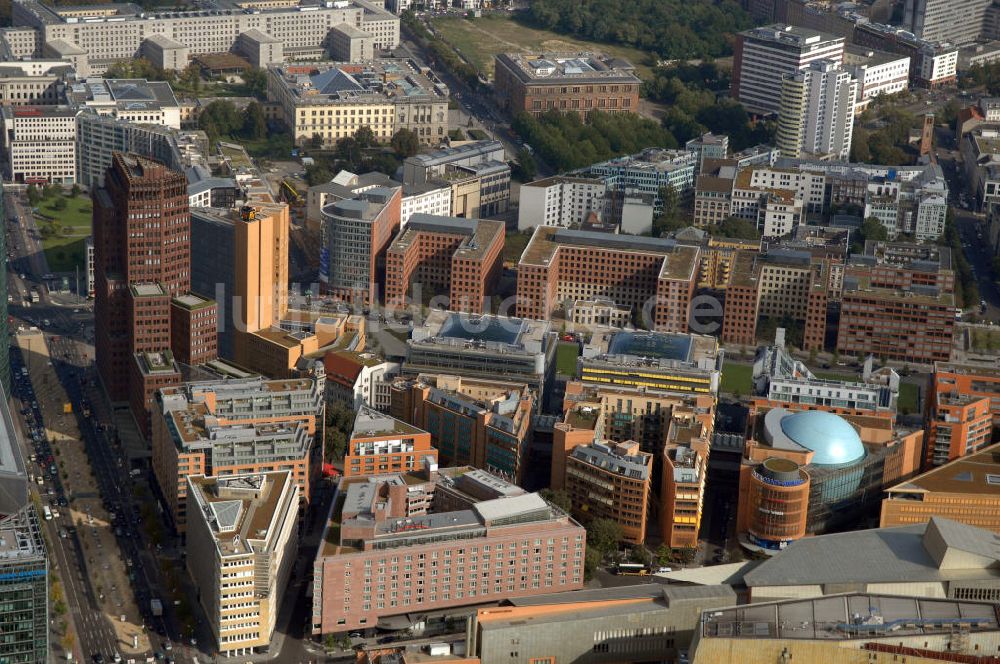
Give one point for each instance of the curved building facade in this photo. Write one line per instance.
(809, 472)
(778, 497)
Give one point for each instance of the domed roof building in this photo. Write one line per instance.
(810, 471)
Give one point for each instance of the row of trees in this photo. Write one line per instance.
(442, 54)
(882, 136)
(566, 142)
(670, 28)
(967, 288)
(694, 107)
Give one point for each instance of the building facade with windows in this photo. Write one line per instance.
(327, 102)
(606, 480)
(463, 537)
(568, 82)
(241, 544)
(237, 426)
(433, 256)
(381, 444)
(763, 56)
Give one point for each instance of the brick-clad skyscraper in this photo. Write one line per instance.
(142, 232)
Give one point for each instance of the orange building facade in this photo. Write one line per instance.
(382, 444)
(649, 276)
(461, 257)
(198, 428)
(611, 481)
(959, 425)
(972, 379)
(966, 490)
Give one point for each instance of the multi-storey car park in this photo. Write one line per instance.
(95, 37)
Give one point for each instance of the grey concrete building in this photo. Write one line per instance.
(958, 22)
(642, 623)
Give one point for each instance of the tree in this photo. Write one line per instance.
(525, 167)
(254, 124)
(33, 195)
(591, 561)
(220, 119)
(59, 204)
(603, 535)
(736, 228)
(640, 554)
(339, 424)
(365, 137)
(75, 191)
(318, 173)
(256, 82)
(405, 143)
(669, 219)
(557, 497)
(873, 229)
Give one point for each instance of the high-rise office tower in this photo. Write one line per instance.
(762, 56)
(816, 118)
(142, 259)
(958, 22)
(240, 258)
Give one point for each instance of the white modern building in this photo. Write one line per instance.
(559, 201)
(39, 144)
(816, 117)
(959, 22)
(648, 172)
(763, 56)
(432, 197)
(877, 72)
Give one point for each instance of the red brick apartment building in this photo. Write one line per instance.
(381, 444)
(567, 82)
(634, 272)
(194, 328)
(462, 257)
(418, 542)
(776, 283)
(898, 303)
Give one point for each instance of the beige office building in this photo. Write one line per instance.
(240, 552)
(327, 102)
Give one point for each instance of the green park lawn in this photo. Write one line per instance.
(64, 231)
(566, 354)
(737, 378)
(480, 39)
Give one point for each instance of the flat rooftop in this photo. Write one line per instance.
(969, 370)
(392, 80)
(675, 348)
(485, 331)
(479, 235)
(369, 422)
(976, 474)
(239, 508)
(554, 68)
(846, 617)
(546, 241)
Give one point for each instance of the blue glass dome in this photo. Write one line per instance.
(833, 441)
